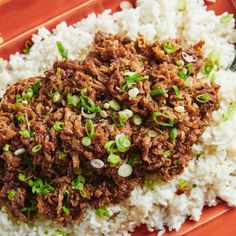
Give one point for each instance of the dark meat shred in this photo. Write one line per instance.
(63, 158)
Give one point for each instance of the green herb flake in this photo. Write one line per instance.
(156, 92)
(66, 210)
(182, 184)
(58, 126)
(102, 212)
(6, 147)
(63, 51)
(21, 177)
(11, 195)
(226, 18)
(131, 78)
(203, 98)
(25, 133)
(173, 133)
(169, 121)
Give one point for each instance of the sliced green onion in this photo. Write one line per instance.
(58, 126)
(173, 133)
(148, 183)
(11, 194)
(63, 51)
(37, 148)
(97, 163)
(152, 133)
(113, 159)
(61, 156)
(114, 105)
(134, 160)
(78, 184)
(36, 86)
(125, 170)
(229, 113)
(110, 146)
(103, 114)
(72, 99)
(182, 5)
(6, 147)
(182, 184)
(182, 75)
(29, 209)
(133, 93)
(180, 109)
(38, 186)
(102, 212)
(21, 177)
(169, 120)
(131, 78)
(89, 128)
(156, 92)
(122, 142)
(180, 63)
(60, 233)
(137, 119)
(66, 210)
(24, 133)
(106, 106)
(86, 141)
(58, 71)
(28, 94)
(166, 153)
(67, 195)
(203, 98)
(125, 115)
(88, 104)
(189, 68)
(20, 118)
(177, 91)
(18, 98)
(226, 18)
(56, 97)
(170, 47)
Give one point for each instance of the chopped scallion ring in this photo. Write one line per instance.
(152, 133)
(122, 142)
(183, 75)
(125, 170)
(63, 51)
(114, 105)
(21, 177)
(88, 104)
(113, 159)
(203, 98)
(177, 91)
(11, 195)
(37, 148)
(137, 119)
(66, 210)
(170, 47)
(89, 128)
(110, 146)
(58, 126)
(72, 99)
(173, 133)
(24, 133)
(86, 141)
(169, 120)
(125, 115)
(102, 212)
(56, 97)
(133, 93)
(97, 163)
(166, 153)
(156, 92)
(6, 148)
(131, 78)
(226, 18)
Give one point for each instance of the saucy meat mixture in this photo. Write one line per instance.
(88, 132)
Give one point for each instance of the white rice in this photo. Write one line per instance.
(214, 172)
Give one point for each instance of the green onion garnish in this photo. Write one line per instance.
(203, 98)
(182, 75)
(56, 97)
(152, 133)
(189, 67)
(229, 113)
(110, 146)
(61, 156)
(72, 99)
(169, 121)
(114, 105)
(58, 126)
(125, 115)
(137, 119)
(36, 87)
(182, 5)
(66, 210)
(38, 186)
(28, 94)
(177, 91)
(102, 212)
(6, 147)
(131, 78)
(37, 148)
(173, 133)
(18, 98)
(88, 104)
(63, 51)
(58, 71)
(166, 153)
(122, 142)
(134, 160)
(11, 194)
(21, 177)
(180, 63)
(20, 118)
(113, 159)
(24, 133)
(86, 141)
(226, 18)
(106, 106)
(182, 184)
(78, 184)
(170, 47)
(103, 114)
(156, 92)
(89, 128)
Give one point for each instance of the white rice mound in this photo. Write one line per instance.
(213, 173)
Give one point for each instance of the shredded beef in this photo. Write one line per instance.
(54, 174)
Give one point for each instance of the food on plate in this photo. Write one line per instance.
(89, 131)
(120, 120)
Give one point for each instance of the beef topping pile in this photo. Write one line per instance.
(88, 132)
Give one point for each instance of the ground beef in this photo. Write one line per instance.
(46, 167)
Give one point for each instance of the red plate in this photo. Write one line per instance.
(19, 19)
